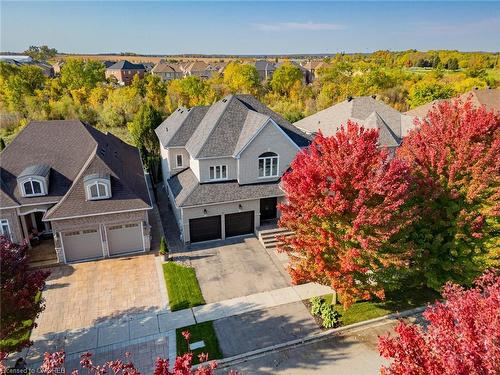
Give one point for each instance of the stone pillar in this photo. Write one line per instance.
(25, 230)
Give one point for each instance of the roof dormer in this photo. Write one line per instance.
(33, 181)
(97, 186)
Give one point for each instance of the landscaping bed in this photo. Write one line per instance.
(182, 286)
(201, 331)
(366, 310)
(21, 335)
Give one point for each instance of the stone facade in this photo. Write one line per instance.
(10, 214)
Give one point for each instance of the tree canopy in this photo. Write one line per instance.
(345, 202)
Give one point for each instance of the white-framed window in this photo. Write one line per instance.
(218, 172)
(97, 190)
(179, 161)
(32, 188)
(268, 165)
(5, 228)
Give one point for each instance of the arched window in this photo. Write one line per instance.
(98, 190)
(268, 165)
(32, 187)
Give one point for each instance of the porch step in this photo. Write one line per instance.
(269, 237)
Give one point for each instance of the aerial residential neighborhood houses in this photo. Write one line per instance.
(85, 206)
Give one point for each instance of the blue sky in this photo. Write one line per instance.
(239, 27)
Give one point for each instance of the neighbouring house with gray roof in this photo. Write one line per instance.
(222, 165)
(366, 111)
(124, 71)
(65, 183)
(265, 69)
(167, 71)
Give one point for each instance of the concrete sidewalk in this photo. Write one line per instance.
(258, 301)
(126, 330)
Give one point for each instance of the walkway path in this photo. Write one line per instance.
(161, 324)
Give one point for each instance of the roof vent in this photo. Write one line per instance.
(349, 98)
(224, 100)
(374, 96)
(102, 151)
(476, 88)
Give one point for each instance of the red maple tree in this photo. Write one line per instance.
(462, 335)
(454, 158)
(19, 294)
(346, 202)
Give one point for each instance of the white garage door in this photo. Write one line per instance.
(124, 238)
(81, 245)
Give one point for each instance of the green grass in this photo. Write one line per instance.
(201, 331)
(23, 334)
(182, 286)
(394, 302)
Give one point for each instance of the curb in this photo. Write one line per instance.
(240, 358)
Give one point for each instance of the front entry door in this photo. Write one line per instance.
(268, 209)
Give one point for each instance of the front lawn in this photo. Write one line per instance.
(182, 286)
(201, 331)
(21, 335)
(394, 302)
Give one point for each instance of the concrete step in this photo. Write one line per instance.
(273, 231)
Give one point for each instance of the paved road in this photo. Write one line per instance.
(354, 353)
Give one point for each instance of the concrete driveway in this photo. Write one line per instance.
(235, 268)
(85, 294)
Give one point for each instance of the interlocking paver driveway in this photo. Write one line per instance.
(85, 294)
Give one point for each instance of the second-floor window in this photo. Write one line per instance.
(98, 190)
(268, 165)
(32, 187)
(178, 160)
(218, 172)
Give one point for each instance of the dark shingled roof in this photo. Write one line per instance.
(188, 191)
(220, 130)
(73, 150)
(125, 64)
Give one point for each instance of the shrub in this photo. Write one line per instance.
(316, 304)
(328, 314)
(163, 247)
(331, 317)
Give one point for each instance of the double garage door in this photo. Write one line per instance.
(210, 228)
(86, 244)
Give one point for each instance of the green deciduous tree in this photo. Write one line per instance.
(142, 130)
(41, 53)
(285, 78)
(241, 78)
(78, 73)
(428, 90)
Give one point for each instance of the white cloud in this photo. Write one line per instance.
(303, 26)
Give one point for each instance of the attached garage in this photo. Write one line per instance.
(205, 229)
(125, 238)
(239, 224)
(81, 245)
